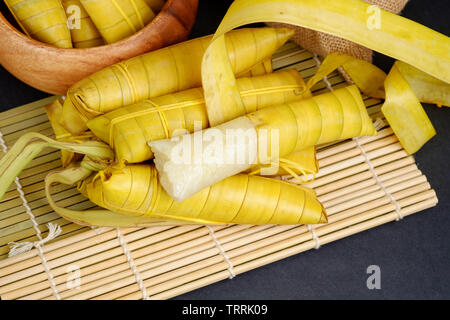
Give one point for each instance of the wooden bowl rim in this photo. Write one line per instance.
(111, 46)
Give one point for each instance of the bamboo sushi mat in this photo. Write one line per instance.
(363, 183)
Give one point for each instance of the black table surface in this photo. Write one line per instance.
(413, 254)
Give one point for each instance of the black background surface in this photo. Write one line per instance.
(413, 254)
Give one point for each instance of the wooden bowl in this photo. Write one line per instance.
(54, 70)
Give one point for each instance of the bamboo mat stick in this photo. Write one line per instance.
(159, 268)
(286, 50)
(176, 261)
(207, 279)
(66, 228)
(26, 235)
(248, 253)
(351, 184)
(39, 203)
(139, 233)
(37, 200)
(251, 246)
(326, 192)
(25, 225)
(46, 130)
(291, 59)
(27, 107)
(168, 254)
(23, 235)
(301, 65)
(262, 252)
(348, 171)
(40, 207)
(368, 197)
(11, 268)
(41, 164)
(4, 122)
(26, 124)
(372, 148)
(31, 180)
(353, 166)
(370, 102)
(379, 203)
(29, 113)
(156, 248)
(184, 240)
(52, 247)
(131, 280)
(324, 225)
(369, 146)
(45, 153)
(92, 266)
(43, 128)
(87, 264)
(12, 207)
(115, 283)
(24, 112)
(34, 188)
(80, 249)
(348, 176)
(369, 185)
(64, 252)
(33, 192)
(69, 230)
(164, 262)
(22, 224)
(29, 235)
(409, 197)
(350, 144)
(389, 149)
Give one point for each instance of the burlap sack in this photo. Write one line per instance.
(323, 44)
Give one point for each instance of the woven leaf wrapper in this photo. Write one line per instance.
(84, 32)
(118, 19)
(324, 44)
(43, 20)
(128, 129)
(133, 196)
(162, 72)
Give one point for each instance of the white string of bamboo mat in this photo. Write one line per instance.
(222, 252)
(378, 122)
(398, 208)
(132, 265)
(54, 231)
(314, 235)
